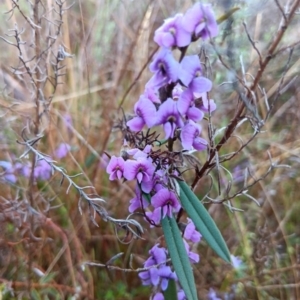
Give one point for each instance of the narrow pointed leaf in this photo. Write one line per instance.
(179, 257)
(203, 221)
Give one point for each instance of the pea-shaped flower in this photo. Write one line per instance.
(115, 168)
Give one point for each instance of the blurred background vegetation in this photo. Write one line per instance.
(44, 240)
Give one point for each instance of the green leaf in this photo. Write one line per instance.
(171, 292)
(179, 257)
(203, 221)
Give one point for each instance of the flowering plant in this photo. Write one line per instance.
(176, 98)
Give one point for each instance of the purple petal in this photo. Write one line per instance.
(188, 135)
(136, 124)
(10, 178)
(158, 296)
(158, 253)
(171, 33)
(200, 19)
(145, 109)
(62, 150)
(195, 114)
(190, 66)
(200, 144)
(154, 277)
(200, 85)
(184, 101)
(155, 216)
(164, 283)
(168, 128)
(130, 169)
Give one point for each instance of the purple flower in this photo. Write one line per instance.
(191, 75)
(165, 273)
(194, 257)
(200, 21)
(62, 150)
(157, 274)
(115, 168)
(158, 255)
(145, 114)
(152, 95)
(165, 67)
(165, 203)
(168, 116)
(42, 170)
(171, 33)
(236, 261)
(190, 67)
(141, 169)
(190, 137)
(181, 295)
(135, 202)
(190, 232)
(186, 106)
(212, 295)
(158, 296)
(8, 171)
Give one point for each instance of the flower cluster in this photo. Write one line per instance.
(176, 98)
(176, 95)
(159, 273)
(42, 170)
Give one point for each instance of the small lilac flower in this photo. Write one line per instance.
(181, 295)
(165, 67)
(190, 67)
(6, 165)
(165, 273)
(158, 296)
(8, 171)
(135, 202)
(141, 169)
(150, 277)
(190, 232)
(158, 255)
(212, 295)
(172, 34)
(236, 261)
(168, 116)
(152, 95)
(193, 257)
(165, 203)
(115, 168)
(200, 85)
(62, 150)
(145, 115)
(186, 106)
(137, 153)
(190, 137)
(42, 170)
(200, 21)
